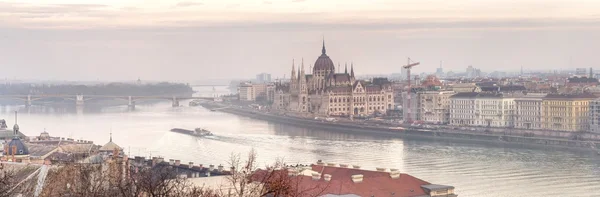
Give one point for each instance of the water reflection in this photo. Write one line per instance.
(475, 169)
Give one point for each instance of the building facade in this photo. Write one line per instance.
(263, 78)
(462, 108)
(594, 116)
(246, 92)
(327, 92)
(566, 112)
(411, 109)
(528, 111)
(435, 106)
(256, 92)
(482, 109)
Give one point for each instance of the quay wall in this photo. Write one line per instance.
(487, 138)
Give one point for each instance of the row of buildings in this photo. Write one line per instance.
(503, 106)
(249, 91)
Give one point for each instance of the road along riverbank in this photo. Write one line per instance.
(408, 132)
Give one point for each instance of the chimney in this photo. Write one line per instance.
(395, 174)
(316, 176)
(177, 162)
(357, 178)
(191, 164)
(160, 160)
(380, 169)
(331, 164)
(171, 161)
(327, 177)
(355, 167)
(211, 167)
(220, 168)
(200, 166)
(344, 165)
(154, 161)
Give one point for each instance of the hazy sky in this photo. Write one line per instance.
(187, 40)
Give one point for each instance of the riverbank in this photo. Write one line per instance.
(408, 132)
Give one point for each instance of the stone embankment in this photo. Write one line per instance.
(487, 137)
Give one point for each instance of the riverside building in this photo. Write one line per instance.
(327, 92)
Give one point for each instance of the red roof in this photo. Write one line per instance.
(374, 183)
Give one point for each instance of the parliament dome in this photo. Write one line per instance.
(323, 63)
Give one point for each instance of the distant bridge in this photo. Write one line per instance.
(80, 99)
(208, 85)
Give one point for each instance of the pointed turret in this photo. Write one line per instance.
(346, 69)
(323, 51)
(292, 77)
(16, 127)
(298, 74)
(352, 70)
(302, 64)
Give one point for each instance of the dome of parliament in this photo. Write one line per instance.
(323, 62)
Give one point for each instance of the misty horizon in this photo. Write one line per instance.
(196, 40)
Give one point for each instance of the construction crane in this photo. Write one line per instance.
(408, 66)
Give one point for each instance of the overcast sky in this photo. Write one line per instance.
(216, 39)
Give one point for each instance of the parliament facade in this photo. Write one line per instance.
(325, 92)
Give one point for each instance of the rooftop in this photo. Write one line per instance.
(334, 180)
(570, 96)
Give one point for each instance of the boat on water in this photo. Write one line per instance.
(198, 132)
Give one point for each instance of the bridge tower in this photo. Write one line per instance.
(131, 103)
(79, 100)
(28, 104)
(175, 102)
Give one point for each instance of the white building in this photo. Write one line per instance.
(462, 108)
(435, 106)
(256, 92)
(482, 109)
(246, 92)
(528, 111)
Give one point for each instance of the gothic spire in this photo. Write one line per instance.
(346, 69)
(323, 51)
(293, 70)
(303, 65)
(110, 137)
(352, 70)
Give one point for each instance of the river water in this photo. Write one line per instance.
(476, 170)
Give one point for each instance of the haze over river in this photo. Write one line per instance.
(474, 169)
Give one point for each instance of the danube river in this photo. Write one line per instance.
(474, 169)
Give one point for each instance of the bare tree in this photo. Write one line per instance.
(78, 180)
(249, 181)
(93, 180)
(7, 181)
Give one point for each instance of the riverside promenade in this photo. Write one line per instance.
(406, 132)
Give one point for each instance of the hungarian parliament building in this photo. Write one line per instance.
(331, 93)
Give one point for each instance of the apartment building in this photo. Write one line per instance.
(594, 116)
(462, 108)
(482, 109)
(566, 112)
(528, 111)
(435, 106)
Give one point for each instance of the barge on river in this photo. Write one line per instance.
(198, 132)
